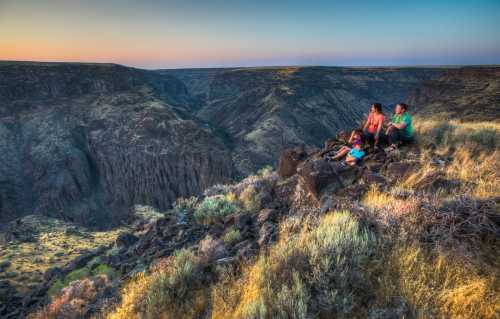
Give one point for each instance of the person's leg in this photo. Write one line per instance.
(343, 151)
(369, 137)
(351, 161)
(405, 139)
(394, 136)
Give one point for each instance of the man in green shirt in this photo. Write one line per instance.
(400, 129)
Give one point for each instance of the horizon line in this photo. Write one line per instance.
(259, 66)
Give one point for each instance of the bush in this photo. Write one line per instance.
(266, 170)
(76, 300)
(250, 199)
(185, 206)
(213, 209)
(174, 289)
(316, 273)
(231, 237)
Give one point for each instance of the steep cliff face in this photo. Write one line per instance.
(85, 142)
(264, 111)
(469, 93)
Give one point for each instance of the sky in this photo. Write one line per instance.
(215, 33)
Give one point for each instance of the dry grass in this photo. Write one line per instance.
(435, 284)
(316, 272)
(173, 289)
(474, 149)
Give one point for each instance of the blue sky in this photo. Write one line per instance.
(209, 33)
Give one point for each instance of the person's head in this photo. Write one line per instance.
(358, 133)
(401, 108)
(376, 108)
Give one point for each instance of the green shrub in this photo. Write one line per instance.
(317, 273)
(213, 209)
(171, 289)
(250, 199)
(231, 236)
(486, 137)
(104, 270)
(185, 205)
(77, 274)
(266, 170)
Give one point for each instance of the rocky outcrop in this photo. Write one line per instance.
(320, 176)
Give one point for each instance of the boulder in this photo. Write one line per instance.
(290, 160)
(370, 178)
(266, 215)
(51, 273)
(212, 249)
(125, 240)
(321, 176)
(267, 234)
(398, 170)
(239, 220)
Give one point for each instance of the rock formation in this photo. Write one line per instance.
(85, 142)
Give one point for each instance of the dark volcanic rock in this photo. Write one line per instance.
(125, 240)
(321, 176)
(289, 160)
(398, 170)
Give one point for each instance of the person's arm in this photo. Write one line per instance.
(366, 123)
(351, 139)
(379, 128)
(400, 125)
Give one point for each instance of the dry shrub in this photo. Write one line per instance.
(479, 172)
(463, 218)
(315, 273)
(75, 300)
(435, 284)
(173, 289)
(394, 213)
(250, 199)
(442, 133)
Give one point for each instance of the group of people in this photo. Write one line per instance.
(376, 132)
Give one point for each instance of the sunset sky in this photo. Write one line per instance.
(209, 33)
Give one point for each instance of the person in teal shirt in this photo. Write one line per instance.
(400, 129)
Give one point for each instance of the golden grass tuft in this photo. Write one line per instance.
(173, 289)
(320, 259)
(436, 284)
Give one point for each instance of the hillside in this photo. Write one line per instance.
(127, 193)
(410, 234)
(467, 94)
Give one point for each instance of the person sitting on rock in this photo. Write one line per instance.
(355, 155)
(400, 129)
(356, 138)
(373, 125)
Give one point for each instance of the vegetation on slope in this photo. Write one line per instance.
(422, 246)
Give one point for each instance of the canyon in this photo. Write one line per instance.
(86, 142)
